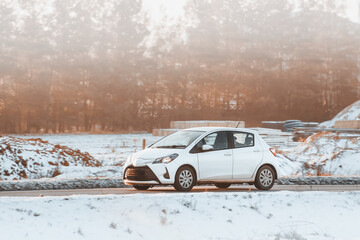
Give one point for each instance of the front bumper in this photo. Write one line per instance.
(151, 174)
(140, 174)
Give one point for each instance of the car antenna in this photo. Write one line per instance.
(238, 124)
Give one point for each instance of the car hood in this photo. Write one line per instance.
(148, 155)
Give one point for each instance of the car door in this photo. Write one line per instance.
(248, 154)
(215, 164)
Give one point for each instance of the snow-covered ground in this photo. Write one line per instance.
(113, 149)
(322, 154)
(107, 148)
(36, 158)
(325, 153)
(287, 167)
(244, 215)
(110, 150)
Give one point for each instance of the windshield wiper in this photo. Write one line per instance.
(172, 146)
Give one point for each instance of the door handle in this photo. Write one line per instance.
(256, 150)
(227, 154)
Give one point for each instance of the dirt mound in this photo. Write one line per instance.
(330, 154)
(35, 158)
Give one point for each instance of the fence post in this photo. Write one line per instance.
(144, 143)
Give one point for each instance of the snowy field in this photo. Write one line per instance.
(328, 154)
(107, 148)
(111, 150)
(246, 215)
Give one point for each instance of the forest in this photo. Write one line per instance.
(120, 66)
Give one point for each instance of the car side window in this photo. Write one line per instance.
(243, 139)
(217, 140)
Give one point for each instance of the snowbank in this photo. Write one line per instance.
(328, 153)
(288, 167)
(351, 112)
(36, 158)
(111, 150)
(262, 216)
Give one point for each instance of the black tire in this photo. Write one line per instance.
(222, 185)
(185, 179)
(265, 178)
(141, 187)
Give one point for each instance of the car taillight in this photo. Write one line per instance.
(273, 151)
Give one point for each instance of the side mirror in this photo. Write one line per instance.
(206, 148)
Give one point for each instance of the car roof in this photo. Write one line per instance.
(210, 129)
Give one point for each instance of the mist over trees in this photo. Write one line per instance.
(95, 65)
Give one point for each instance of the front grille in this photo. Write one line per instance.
(140, 174)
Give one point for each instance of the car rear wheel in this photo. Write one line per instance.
(222, 185)
(185, 179)
(141, 187)
(265, 178)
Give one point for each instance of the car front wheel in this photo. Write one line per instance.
(265, 178)
(185, 179)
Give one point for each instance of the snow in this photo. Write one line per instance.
(288, 167)
(327, 153)
(241, 215)
(322, 154)
(107, 148)
(35, 158)
(351, 112)
(110, 150)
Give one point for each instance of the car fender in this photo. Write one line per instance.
(273, 164)
(171, 168)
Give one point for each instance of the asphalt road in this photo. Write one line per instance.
(169, 190)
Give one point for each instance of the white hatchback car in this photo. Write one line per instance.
(205, 155)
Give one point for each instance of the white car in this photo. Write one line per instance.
(205, 155)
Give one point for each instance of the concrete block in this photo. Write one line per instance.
(354, 124)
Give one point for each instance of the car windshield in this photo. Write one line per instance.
(180, 139)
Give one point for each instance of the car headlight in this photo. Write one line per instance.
(166, 159)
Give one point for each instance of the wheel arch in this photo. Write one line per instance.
(190, 166)
(269, 165)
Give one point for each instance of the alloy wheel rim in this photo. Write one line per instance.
(185, 178)
(266, 177)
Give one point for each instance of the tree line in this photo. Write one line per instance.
(90, 66)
